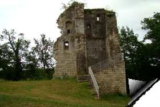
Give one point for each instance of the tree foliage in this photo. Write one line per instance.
(152, 25)
(18, 61)
(17, 46)
(44, 52)
(142, 59)
(133, 51)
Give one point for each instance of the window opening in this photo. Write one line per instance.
(98, 17)
(66, 45)
(68, 31)
(88, 26)
(69, 26)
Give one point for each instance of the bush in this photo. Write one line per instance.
(29, 74)
(7, 73)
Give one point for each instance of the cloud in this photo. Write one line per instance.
(132, 16)
(34, 17)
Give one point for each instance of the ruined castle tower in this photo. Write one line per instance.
(89, 38)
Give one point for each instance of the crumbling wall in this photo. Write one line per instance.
(94, 20)
(81, 54)
(112, 39)
(66, 58)
(112, 80)
(71, 59)
(74, 14)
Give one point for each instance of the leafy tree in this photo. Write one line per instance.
(152, 26)
(135, 55)
(31, 65)
(44, 53)
(142, 59)
(17, 47)
(5, 56)
(128, 41)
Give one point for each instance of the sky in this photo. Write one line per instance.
(35, 17)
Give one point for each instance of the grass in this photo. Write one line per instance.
(54, 93)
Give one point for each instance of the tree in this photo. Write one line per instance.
(17, 46)
(5, 58)
(128, 41)
(135, 55)
(31, 65)
(152, 26)
(44, 52)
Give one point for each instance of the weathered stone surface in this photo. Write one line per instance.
(112, 79)
(90, 36)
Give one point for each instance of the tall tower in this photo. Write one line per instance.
(89, 38)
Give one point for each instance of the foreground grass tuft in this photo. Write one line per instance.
(54, 93)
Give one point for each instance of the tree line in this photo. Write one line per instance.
(20, 62)
(142, 59)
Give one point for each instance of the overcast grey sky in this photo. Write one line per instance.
(34, 17)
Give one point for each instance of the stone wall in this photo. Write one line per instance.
(66, 65)
(80, 48)
(71, 61)
(66, 58)
(95, 35)
(112, 39)
(75, 15)
(111, 76)
(95, 23)
(112, 80)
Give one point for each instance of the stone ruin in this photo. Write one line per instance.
(89, 49)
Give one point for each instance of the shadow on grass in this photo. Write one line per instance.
(116, 98)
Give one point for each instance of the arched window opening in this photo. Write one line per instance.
(98, 17)
(88, 26)
(69, 26)
(66, 45)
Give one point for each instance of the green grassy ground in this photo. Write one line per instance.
(54, 93)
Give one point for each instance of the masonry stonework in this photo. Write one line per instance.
(89, 37)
